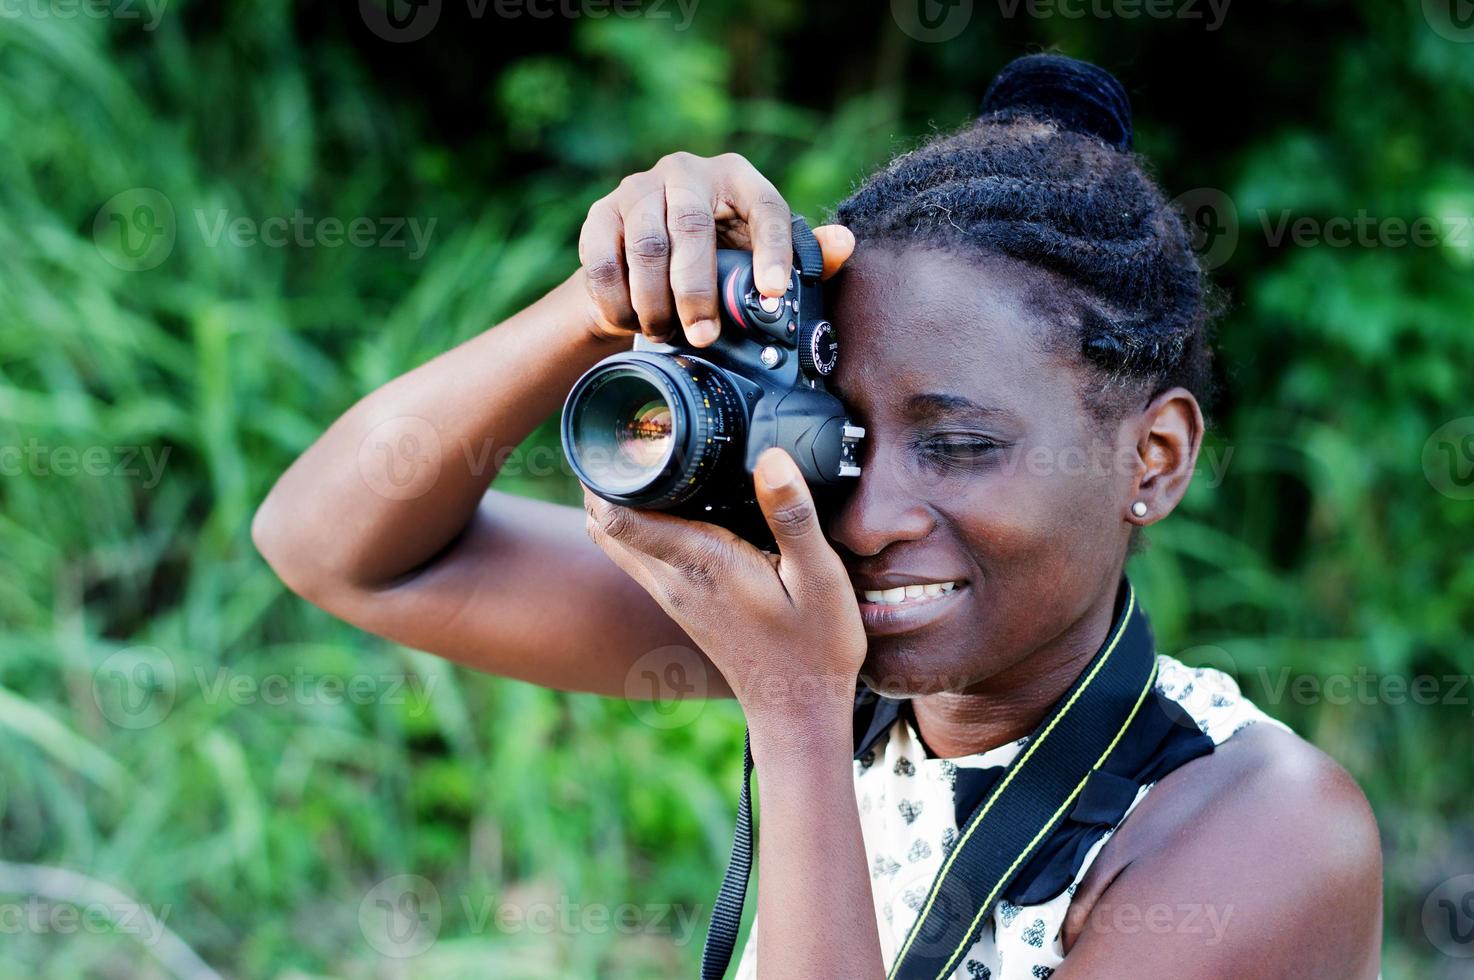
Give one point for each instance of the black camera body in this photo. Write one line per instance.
(671, 427)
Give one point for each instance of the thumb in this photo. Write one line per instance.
(805, 557)
(838, 244)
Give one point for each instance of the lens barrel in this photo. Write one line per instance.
(650, 429)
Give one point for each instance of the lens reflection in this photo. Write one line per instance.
(624, 431)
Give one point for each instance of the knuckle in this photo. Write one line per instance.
(691, 221)
(792, 518)
(735, 161)
(650, 247)
(604, 272)
(696, 297)
(613, 522)
(679, 160)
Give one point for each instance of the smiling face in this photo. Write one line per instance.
(982, 466)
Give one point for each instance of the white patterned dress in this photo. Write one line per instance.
(909, 823)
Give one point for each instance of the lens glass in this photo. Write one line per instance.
(623, 431)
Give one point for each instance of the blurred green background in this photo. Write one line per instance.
(168, 724)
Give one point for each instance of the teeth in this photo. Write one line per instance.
(897, 596)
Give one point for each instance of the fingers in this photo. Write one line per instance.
(807, 560)
(647, 255)
(838, 244)
(768, 219)
(675, 555)
(693, 261)
(601, 253)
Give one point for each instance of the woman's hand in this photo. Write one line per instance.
(649, 248)
(783, 629)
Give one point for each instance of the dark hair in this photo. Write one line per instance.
(1046, 176)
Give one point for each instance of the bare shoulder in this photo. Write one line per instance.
(1270, 832)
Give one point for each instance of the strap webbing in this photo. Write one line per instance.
(1008, 827)
(726, 915)
(1029, 801)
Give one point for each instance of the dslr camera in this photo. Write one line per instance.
(670, 427)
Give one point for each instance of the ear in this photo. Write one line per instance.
(1169, 434)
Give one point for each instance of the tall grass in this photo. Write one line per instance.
(150, 408)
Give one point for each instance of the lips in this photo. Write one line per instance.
(893, 605)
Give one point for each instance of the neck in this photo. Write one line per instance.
(1011, 704)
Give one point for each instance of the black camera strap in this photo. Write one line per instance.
(1028, 802)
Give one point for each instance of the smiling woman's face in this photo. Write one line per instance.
(982, 467)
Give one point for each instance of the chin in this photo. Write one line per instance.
(909, 667)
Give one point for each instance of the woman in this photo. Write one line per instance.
(1025, 333)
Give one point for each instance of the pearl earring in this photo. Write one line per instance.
(1138, 509)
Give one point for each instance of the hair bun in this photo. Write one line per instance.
(1081, 97)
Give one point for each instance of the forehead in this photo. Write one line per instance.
(920, 320)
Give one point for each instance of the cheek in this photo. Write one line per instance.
(1034, 512)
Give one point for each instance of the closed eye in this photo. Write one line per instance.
(957, 448)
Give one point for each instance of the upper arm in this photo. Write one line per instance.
(1275, 873)
(524, 593)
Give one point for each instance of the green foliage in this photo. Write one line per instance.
(151, 408)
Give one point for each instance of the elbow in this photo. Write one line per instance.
(281, 542)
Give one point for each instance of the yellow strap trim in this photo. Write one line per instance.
(957, 954)
(1013, 771)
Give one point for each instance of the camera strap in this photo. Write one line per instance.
(1008, 827)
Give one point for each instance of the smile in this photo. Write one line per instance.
(902, 609)
(908, 593)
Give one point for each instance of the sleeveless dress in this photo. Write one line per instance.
(911, 806)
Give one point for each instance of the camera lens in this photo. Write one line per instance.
(624, 430)
(650, 429)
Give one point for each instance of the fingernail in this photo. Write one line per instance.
(703, 333)
(776, 469)
(776, 281)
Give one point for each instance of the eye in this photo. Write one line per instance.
(957, 447)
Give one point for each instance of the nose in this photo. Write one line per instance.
(882, 509)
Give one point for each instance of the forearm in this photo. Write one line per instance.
(814, 902)
(397, 477)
